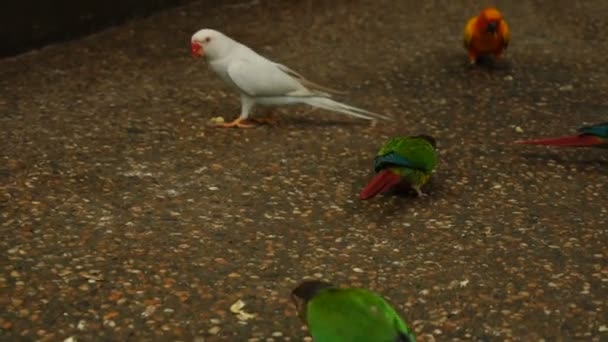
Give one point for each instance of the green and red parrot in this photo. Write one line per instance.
(403, 160)
(594, 136)
(348, 314)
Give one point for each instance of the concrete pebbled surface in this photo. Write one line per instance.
(126, 217)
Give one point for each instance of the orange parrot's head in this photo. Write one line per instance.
(489, 20)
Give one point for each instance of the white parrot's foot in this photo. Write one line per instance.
(271, 120)
(238, 123)
(420, 193)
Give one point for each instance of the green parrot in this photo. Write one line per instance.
(409, 160)
(348, 314)
(594, 136)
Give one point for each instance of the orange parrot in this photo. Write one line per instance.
(486, 34)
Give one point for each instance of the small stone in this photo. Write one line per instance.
(237, 306)
(110, 315)
(214, 330)
(109, 323)
(518, 129)
(150, 309)
(213, 188)
(217, 120)
(244, 316)
(508, 78)
(358, 270)
(567, 87)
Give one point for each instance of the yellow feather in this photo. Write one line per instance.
(468, 31)
(506, 36)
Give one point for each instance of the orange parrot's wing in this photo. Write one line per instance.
(468, 32)
(506, 35)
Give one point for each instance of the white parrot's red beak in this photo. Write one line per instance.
(197, 49)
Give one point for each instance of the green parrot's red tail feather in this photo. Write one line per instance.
(571, 141)
(383, 181)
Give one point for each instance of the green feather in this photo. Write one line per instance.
(418, 150)
(354, 315)
(598, 130)
(414, 158)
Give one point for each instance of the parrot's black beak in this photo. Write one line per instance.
(492, 27)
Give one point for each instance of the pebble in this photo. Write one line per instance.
(107, 162)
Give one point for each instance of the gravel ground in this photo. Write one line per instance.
(125, 217)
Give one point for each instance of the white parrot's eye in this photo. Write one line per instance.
(207, 40)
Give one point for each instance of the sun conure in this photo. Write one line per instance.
(403, 160)
(348, 314)
(486, 34)
(594, 135)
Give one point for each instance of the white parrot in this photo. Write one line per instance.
(262, 81)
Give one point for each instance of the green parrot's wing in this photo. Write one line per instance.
(354, 315)
(600, 130)
(392, 159)
(414, 152)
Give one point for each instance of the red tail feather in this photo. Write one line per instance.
(383, 181)
(571, 141)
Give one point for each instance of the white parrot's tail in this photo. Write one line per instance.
(335, 106)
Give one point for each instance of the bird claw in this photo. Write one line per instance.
(268, 120)
(238, 123)
(420, 193)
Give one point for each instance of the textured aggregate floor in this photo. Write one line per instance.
(125, 217)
